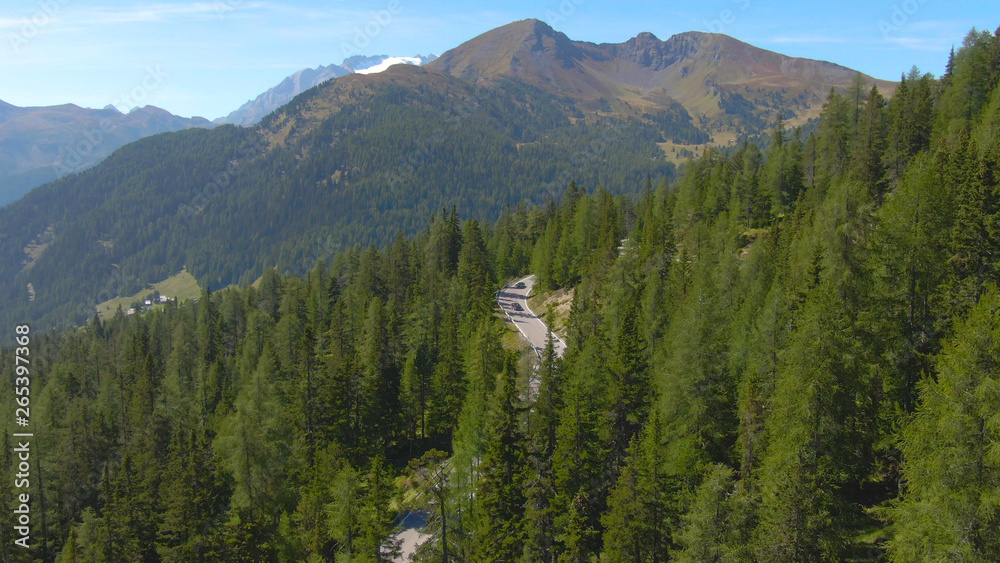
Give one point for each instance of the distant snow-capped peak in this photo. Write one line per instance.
(389, 62)
(255, 110)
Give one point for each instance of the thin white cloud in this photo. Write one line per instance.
(925, 35)
(806, 38)
(151, 13)
(938, 26)
(285, 67)
(934, 44)
(10, 23)
(334, 13)
(159, 12)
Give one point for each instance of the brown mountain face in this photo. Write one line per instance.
(729, 87)
(6, 111)
(697, 89)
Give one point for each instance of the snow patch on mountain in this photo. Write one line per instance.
(254, 110)
(390, 62)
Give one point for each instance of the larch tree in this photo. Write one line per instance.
(950, 505)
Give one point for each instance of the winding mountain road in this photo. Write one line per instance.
(514, 303)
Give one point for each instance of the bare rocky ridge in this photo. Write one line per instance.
(702, 71)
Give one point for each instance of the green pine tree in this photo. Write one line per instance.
(950, 507)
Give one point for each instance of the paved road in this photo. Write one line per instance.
(532, 328)
(410, 536)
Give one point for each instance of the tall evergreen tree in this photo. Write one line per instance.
(642, 506)
(539, 511)
(871, 144)
(499, 534)
(950, 506)
(707, 533)
(628, 367)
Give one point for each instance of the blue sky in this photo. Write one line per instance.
(208, 57)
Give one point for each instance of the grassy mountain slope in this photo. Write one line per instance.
(712, 75)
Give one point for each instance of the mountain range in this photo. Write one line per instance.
(254, 110)
(730, 88)
(40, 144)
(507, 118)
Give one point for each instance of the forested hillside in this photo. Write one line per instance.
(508, 117)
(785, 355)
(40, 144)
(352, 161)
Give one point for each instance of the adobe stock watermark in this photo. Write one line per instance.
(151, 81)
(114, 285)
(409, 164)
(376, 24)
(32, 26)
(426, 146)
(563, 12)
(221, 180)
(582, 157)
(901, 14)
(225, 7)
(75, 154)
(326, 249)
(726, 17)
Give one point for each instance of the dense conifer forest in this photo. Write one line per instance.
(788, 354)
(229, 202)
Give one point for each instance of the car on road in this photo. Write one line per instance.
(520, 285)
(517, 307)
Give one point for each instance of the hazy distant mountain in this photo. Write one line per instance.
(254, 110)
(40, 144)
(6, 110)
